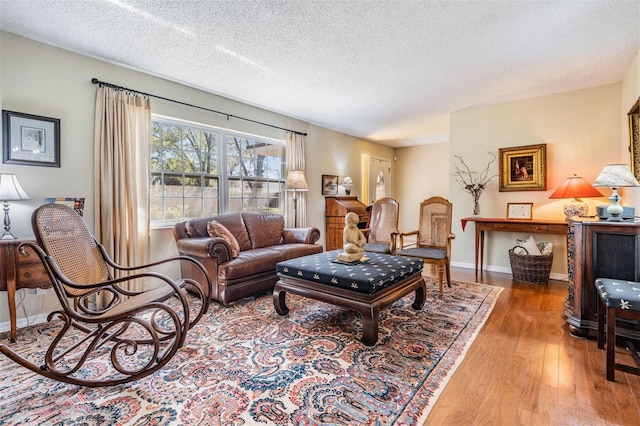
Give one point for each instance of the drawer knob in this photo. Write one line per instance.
(27, 274)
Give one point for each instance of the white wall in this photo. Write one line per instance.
(39, 79)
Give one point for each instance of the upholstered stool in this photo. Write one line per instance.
(619, 299)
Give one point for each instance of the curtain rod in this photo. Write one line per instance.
(115, 86)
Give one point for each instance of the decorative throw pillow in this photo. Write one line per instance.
(530, 245)
(546, 248)
(216, 229)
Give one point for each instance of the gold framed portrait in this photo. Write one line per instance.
(523, 168)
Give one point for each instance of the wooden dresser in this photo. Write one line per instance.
(19, 271)
(599, 249)
(335, 210)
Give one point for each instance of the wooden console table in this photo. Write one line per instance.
(484, 224)
(19, 271)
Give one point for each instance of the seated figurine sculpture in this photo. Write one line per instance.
(353, 239)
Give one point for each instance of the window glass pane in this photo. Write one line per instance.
(185, 163)
(173, 209)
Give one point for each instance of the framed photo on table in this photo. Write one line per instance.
(30, 139)
(523, 168)
(519, 210)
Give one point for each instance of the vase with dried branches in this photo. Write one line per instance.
(473, 182)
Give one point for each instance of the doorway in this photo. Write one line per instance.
(379, 179)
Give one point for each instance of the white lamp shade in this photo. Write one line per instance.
(615, 176)
(296, 181)
(10, 189)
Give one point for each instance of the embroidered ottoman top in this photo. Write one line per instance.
(377, 272)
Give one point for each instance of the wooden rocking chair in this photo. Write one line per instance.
(134, 332)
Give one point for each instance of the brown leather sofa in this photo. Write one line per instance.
(263, 241)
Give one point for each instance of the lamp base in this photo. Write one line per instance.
(577, 207)
(8, 236)
(615, 209)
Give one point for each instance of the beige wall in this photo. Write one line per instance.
(581, 129)
(421, 172)
(39, 79)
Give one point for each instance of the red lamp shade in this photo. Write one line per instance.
(575, 187)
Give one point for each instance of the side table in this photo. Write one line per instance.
(19, 271)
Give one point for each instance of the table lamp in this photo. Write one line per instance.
(575, 187)
(615, 176)
(295, 182)
(347, 182)
(10, 190)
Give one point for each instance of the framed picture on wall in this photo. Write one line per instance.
(329, 185)
(634, 137)
(523, 168)
(30, 139)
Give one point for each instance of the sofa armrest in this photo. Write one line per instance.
(215, 248)
(301, 235)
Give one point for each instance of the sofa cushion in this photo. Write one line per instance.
(216, 229)
(249, 262)
(265, 230)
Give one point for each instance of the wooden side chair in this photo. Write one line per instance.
(618, 299)
(134, 333)
(382, 224)
(433, 237)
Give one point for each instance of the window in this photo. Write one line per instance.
(198, 170)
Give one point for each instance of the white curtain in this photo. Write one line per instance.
(122, 143)
(295, 161)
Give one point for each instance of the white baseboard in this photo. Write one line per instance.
(505, 270)
(24, 322)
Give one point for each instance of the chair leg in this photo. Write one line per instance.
(449, 274)
(440, 270)
(611, 344)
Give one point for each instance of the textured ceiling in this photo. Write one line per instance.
(387, 71)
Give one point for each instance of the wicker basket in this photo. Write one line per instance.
(530, 268)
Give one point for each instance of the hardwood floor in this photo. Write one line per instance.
(524, 368)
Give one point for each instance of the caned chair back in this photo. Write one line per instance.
(63, 235)
(383, 220)
(435, 223)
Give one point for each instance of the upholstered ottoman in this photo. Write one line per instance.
(365, 287)
(618, 299)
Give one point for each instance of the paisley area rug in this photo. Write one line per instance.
(246, 365)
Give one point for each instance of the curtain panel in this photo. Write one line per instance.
(295, 161)
(122, 167)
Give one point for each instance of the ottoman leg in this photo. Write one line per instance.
(370, 319)
(279, 301)
(611, 344)
(420, 296)
(600, 315)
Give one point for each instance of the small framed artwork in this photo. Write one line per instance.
(329, 185)
(76, 203)
(30, 139)
(519, 210)
(523, 168)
